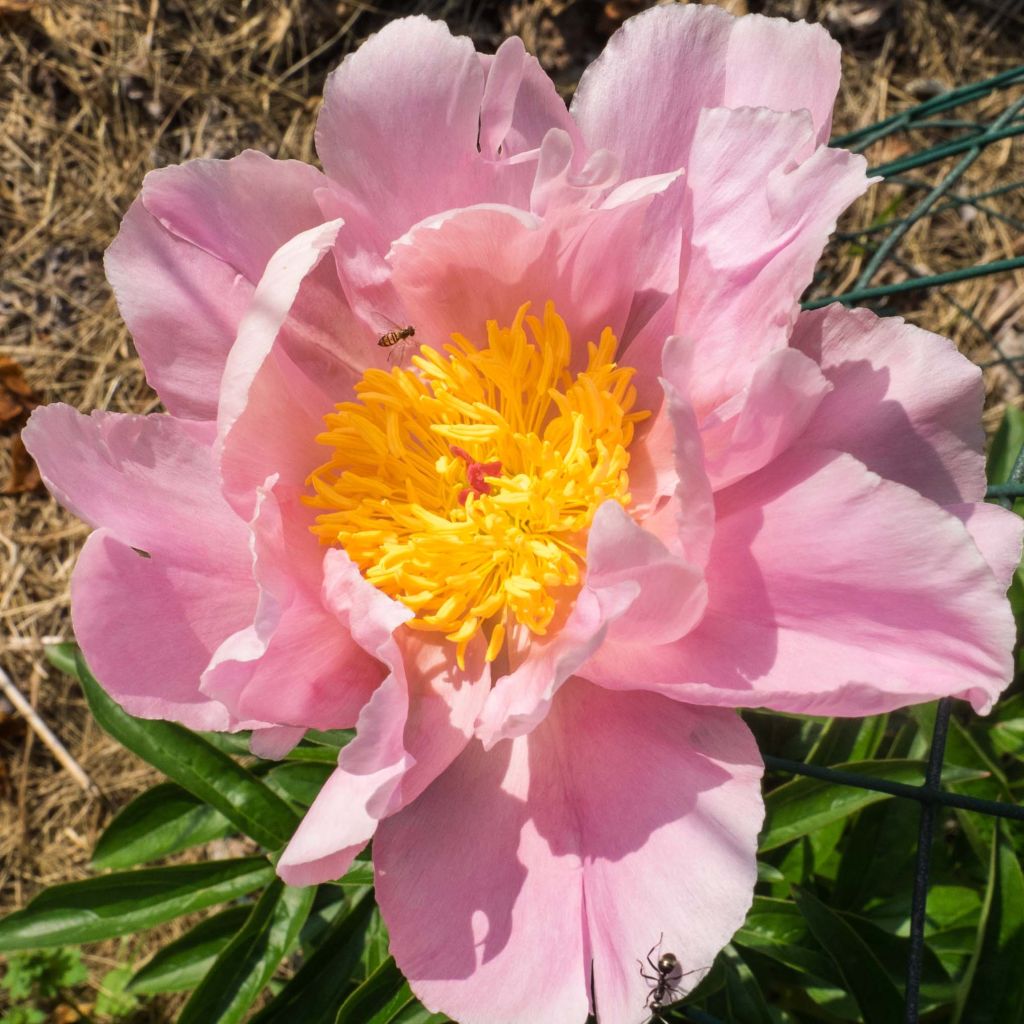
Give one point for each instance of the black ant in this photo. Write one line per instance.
(665, 980)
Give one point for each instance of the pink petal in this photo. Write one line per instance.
(758, 423)
(415, 724)
(903, 401)
(563, 181)
(997, 533)
(151, 479)
(275, 742)
(272, 405)
(761, 203)
(186, 259)
(635, 587)
(520, 104)
(148, 619)
(148, 627)
(241, 210)
(643, 96)
(483, 263)
(295, 663)
(581, 854)
(182, 307)
(398, 129)
(799, 620)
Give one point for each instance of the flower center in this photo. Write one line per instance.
(465, 488)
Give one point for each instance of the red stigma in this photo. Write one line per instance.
(475, 473)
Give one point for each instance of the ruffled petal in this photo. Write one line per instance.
(473, 265)
(281, 377)
(167, 579)
(761, 201)
(903, 401)
(800, 620)
(520, 104)
(760, 422)
(581, 855)
(403, 153)
(295, 663)
(635, 587)
(643, 96)
(997, 533)
(415, 724)
(189, 253)
(151, 480)
(149, 625)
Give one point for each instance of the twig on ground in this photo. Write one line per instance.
(43, 731)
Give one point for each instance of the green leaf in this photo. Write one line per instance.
(299, 782)
(198, 766)
(63, 657)
(1005, 445)
(992, 991)
(113, 999)
(162, 821)
(804, 805)
(743, 994)
(249, 960)
(316, 991)
(879, 1000)
(360, 874)
(181, 965)
(127, 901)
(776, 929)
(379, 999)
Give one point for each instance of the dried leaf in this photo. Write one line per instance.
(24, 473)
(17, 399)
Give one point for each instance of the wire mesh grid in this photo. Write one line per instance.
(881, 243)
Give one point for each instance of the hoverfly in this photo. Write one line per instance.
(394, 336)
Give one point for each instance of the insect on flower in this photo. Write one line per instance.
(665, 980)
(394, 336)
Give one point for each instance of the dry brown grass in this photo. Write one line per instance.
(94, 94)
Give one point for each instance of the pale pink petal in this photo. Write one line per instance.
(520, 104)
(903, 401)
(148, 619)
(295, 663)
(189, 252)
(398, 129)
(800, 620)
(182, 306)
(151, 480)
(692, 506)
(760, 422)
(274, 742)
(761, 202)
(483, 263)
(635, 587)
(523, 868)
(415, 724)
(240, 210)
(997, 532)
(149, 625)
(643, 96)
(563, 182)
(271, 407)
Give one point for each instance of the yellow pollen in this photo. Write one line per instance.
(464, 487)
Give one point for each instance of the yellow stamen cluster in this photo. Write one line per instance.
(465, 488)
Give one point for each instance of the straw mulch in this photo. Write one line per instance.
(94, 94)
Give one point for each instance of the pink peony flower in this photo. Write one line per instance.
(623, 488)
